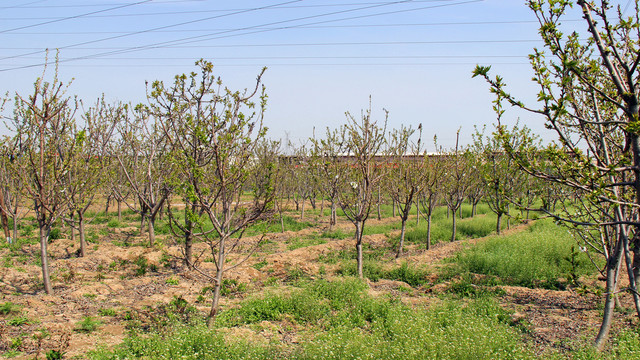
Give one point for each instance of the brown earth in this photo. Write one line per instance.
(108, 278)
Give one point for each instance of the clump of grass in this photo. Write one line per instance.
(540, 257)
(347, 324)
(114, 223)
(412, 275)
(55, 234)
(18, 321)
(260, 264)
(336, 234)
(107, 312)
(297, 243)
(142, 264)
(87, 325)
(9, 308)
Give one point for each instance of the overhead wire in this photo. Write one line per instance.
(183, 12)
(74, 16)
(221, 34)
(179, 24)
(155, 28)
(180, 43)
(507, 22)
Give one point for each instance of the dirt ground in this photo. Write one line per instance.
(109, 278)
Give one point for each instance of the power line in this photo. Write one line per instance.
(194, 37)
(200, 38)
(28, 5)
(511, 22)
(183, 12)
(359, 64)
(297, 57)
(22, 5)
(150, 30)
(209, 36)
(355, 43)
(74, 16)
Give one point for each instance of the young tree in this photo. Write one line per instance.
(142, 153)
(326, 155)
(216, 134)
(456, 182)
(42, 124)
(499, 173)
(590, 97)
(429, 196)
(363, 141)
(88, 164)
(405, 176)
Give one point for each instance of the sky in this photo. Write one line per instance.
(413, 58)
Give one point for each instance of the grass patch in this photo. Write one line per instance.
(412, 275)
(542, 256)
(341, 322)
(297, 243)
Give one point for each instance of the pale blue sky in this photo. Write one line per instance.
(324, 57)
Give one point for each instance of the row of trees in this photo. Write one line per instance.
(200, 149)
(205, 145)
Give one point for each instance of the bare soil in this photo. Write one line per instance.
(109, 278)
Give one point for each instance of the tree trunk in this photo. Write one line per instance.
(359, 227)
(188, 243)
(453, 226)
(5, 219)
(631, 273)
(499, 223)
(473, 208)
(106, 206)
(218, 283)
(636, 266)
(332, 219)
(44, 238)
(81, 233)
(609, 305)
(379, 200)
(142, 216)
(312, 201)
(302, 211)
(15, 230)
(417, 212)
(429, 231)
(152, 233)
(119, 210)
(402, 232)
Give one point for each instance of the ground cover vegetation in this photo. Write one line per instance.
(356, 244)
